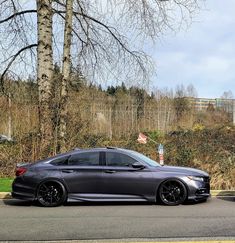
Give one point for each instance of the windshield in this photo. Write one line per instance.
(145, 159)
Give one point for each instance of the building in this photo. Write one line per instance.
(202, 104)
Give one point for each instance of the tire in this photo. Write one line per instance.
(172, 192)
(51, 194)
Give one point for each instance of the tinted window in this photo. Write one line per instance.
(85, 159)
(60, 161)
(117, 159)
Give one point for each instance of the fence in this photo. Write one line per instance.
(112, 119)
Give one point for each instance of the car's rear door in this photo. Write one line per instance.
(120, 179)
(83, 173)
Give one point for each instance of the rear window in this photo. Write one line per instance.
(60, 161)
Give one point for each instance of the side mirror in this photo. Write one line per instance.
(138, 165)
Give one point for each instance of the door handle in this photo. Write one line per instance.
(67, 171)
(110, 171)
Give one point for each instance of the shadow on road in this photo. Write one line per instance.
(226, 196)
(107, 203)
(196, 202)
(20, 203)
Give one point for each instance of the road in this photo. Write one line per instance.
(23, 221)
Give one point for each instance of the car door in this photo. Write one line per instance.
(83, 173)
(121, 180)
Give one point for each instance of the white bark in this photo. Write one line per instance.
(45, 71)
(66, 75)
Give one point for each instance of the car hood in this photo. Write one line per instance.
(183, 170)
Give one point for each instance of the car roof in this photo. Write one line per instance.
(77, 150)
(80, 150)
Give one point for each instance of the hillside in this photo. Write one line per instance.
(212, 150)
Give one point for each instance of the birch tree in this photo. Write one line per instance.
(66, 73)
(106, 39)
(44, 70)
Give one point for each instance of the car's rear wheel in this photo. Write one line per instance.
(172, 192)
(51, 194)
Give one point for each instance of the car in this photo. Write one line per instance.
(107, 174)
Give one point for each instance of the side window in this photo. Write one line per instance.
(60, 161)
(117, 159)
(85, 159)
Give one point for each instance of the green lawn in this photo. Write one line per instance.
(5, 184)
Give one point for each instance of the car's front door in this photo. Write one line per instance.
(83, 173)
(120, 179)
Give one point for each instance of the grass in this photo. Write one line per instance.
(5, 184)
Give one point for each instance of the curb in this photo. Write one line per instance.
(214, 193)
(5, 195)
(222, 193)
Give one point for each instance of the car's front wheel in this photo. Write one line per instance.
(51, 194)
(172, 192)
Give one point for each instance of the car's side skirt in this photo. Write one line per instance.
(89, 197)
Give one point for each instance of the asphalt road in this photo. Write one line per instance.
(23, 221)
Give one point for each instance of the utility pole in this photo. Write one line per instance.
(9, 117)
(234, 112)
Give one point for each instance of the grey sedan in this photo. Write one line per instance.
(107, 174)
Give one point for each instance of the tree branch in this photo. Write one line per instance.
(60, 14)
(18, 14)
(12, 60)
(103, 25)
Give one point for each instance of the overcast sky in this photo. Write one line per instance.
(204, 55)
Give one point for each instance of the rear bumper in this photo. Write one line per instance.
(22, 196)
(22, 190)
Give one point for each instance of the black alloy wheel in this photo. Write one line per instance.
(51, 194)
(172, 192)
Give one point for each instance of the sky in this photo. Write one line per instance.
(202, 55)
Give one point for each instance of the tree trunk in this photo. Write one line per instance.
(45, 73)
(66, 74)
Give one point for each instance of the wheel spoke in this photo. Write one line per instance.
(165, 193)
(50, 194)
(45, 187)
(172, 192)
(166, 188)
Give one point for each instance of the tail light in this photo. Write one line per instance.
(20, 171)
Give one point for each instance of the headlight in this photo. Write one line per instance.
(196, 178)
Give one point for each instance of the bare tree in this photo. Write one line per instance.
(227, 95)
(66, 73)
(45, 70)
(107, 43)
(191, 91)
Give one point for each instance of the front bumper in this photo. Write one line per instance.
(197, 198)
(198, 190)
